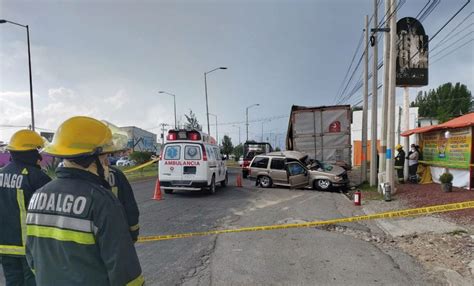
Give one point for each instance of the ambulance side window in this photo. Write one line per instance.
(218, 153)
(173, 152)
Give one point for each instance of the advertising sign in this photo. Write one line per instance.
(454, 152)
(412, 53)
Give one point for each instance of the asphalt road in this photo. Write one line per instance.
(282, 257)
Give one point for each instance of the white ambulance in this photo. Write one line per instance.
(191, 160)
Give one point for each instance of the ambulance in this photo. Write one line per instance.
(191, 161)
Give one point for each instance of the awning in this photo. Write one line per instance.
(458, 122)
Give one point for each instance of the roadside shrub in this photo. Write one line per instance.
(141, 157)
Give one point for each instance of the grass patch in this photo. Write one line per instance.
(148, 172)
(370, 193)
(457, 232)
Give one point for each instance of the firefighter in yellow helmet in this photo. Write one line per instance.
(18, 181)
(400, 163)
(77, 231)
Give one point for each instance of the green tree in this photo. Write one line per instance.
(141, 157)
(445, 102)
(238, 151)
(227, 147)
(192, 121)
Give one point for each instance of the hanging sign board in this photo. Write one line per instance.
(412, 53)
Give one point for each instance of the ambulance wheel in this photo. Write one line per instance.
(225, 182)
(168, 191)
(212, 187)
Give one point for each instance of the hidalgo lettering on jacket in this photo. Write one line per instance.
(59, 203)
(12, 181)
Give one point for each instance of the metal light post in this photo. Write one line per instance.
(29, 68)
(247, 117)
(205, 89)
(174, 98)
(217, 134)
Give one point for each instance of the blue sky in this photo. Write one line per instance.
(109, 59)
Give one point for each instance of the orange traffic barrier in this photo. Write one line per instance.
(239, 180)
(157, 195)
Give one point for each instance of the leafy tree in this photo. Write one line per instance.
(141, 157)
(227, 146)
(444, 103)
(192, 121)
(238, 151)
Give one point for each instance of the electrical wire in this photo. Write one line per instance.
(452, 51)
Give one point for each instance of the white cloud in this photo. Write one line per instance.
(118, 100)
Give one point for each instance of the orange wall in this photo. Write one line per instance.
(357, 147)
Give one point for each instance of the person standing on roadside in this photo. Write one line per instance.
(18, 181)
(400, 163)
(413, 157)
(77, 233)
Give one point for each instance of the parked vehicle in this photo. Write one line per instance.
(112, 160)
(251, 149)
(125, 162)
(294, 169)
(324, 133)
(192, 161)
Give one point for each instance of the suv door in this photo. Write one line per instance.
(297, 174)
(278, 171)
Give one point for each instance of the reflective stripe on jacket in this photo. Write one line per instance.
(123, 191)
(18, 182)
(77, 234)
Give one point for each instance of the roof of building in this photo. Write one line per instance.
(458, 122)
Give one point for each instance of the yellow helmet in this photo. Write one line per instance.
(80, 136)
(25, 140)
(119, 137)
(398, 147)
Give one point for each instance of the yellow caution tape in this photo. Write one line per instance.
(384, 215)
(141, 166)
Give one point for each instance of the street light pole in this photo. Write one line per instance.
(29, 69)
(174, 99)
(205, 90)
(247, 117)
(217, 133)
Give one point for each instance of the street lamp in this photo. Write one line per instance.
(247, 117)
(174, 98)
(3, 21)
(217, 134)
(205, 88)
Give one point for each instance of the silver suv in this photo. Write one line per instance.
(293, 169)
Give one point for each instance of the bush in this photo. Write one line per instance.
(446, 178)
(141, 157)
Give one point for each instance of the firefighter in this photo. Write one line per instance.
(18, 181)
(77, 230)
(119, 184)
(400, 163)
(122, 189)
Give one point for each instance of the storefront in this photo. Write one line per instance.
(448, 146)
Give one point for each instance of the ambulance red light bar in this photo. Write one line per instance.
(174, 135)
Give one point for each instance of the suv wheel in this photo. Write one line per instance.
(322, 184)
(226, 181)
(212, 187)
(265, 181)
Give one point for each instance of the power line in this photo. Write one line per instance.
(452, 51)
(452, 44)
(450, 34)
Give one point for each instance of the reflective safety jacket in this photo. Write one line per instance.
(77, 234)
(400, 160)
(123, 191)
(18, 182)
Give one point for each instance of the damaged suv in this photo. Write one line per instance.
(293, 169)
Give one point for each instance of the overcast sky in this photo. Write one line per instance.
(109, 59)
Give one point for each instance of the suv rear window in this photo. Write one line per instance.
(260, 162)
(277, 164)
(173, 152)
(192, 152)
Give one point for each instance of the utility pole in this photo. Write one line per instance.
(366, 103)
(373, 124)
(391, 98)
(406, 126)
(386, 68)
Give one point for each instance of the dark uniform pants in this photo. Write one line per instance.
(412, 177)
(17, 272)
(399, 174)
